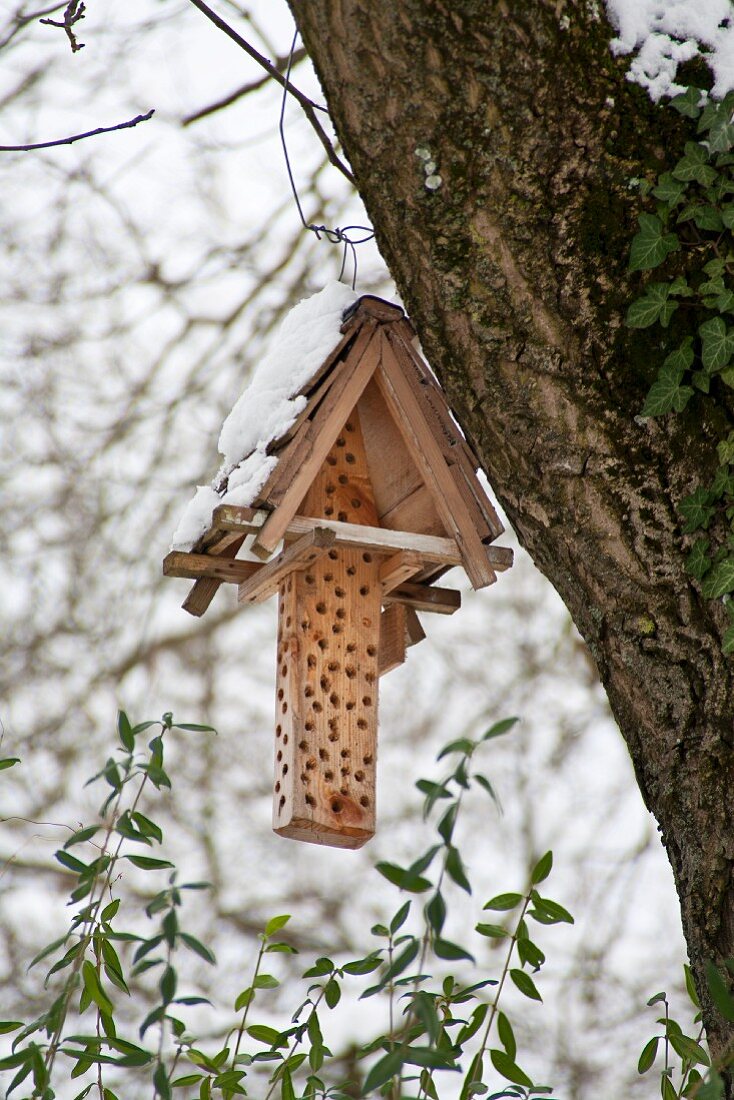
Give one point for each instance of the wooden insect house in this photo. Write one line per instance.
(342, 455)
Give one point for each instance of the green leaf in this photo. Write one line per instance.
(651, 245)
(553, 913)
(525, 984)
(362, 966)
(720, 995)
(542, 869)
(94, 989)
(504, 901)
(667, 1091)
(455, 869)
(693, 165)
(383, 1071)
(436, 912)
(6, 1026)
(717, 344)
(265, 981)
(688, 103)
(649, 1052)
(332, 993)
(652, 306)
(686, 1047)
(147, 827)
(447, 950)
(276, 923)
(125, 732)
(508, 1069)
(499, 728)
(147, 863)
(462, 745)
(728, 640)
(698, 561)
(264, 1034)
(197, 947)
(194, 727)
(398, 876)
(8, 762)
(400, 917)
(696, 509)
(81, 835)
(506, 1034)
(493, 931)
(669, 189)
(667, 394)
(720, 580)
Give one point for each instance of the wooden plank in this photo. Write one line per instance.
(400, 567)
(442, 551)
(369, 305)
(218, 567)
(392, 638)
(336, 407)
(414, 632)
(205, 589)
(298, 555)
(430, 460)
(459, 455)
(327, 685)
(424, 597)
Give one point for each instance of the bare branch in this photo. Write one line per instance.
(73, 13)
(253, 86)
(308, 105)
(78, 137)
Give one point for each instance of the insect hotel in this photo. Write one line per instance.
(351, 490)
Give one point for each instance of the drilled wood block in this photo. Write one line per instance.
(328, 654)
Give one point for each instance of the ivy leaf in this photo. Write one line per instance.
(718, 344)
(693, 165)
(727, 376)
(697, 510)
(653, 306)
(667, 394)
(669, 190)
(698, 561)
(651, 245)
(727, 215)
(720, 580)
(688, 102)
(725, 450)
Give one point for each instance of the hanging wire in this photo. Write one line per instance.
(349, 236)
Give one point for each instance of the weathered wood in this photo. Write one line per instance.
(429, 458)
(328, 645)
(392, 638)
(298, 555)
(400, 567)
(219, 567)
(371, 306)
(414, 632)
(205, 589)
(424, 597)
(336, 407)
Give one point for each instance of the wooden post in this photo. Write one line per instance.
(328, 668)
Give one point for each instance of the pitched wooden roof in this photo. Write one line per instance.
(422, 470)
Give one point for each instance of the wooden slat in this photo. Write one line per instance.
(430, 460)
(205, 589)
(414, 632)
(400, 567)
(392, 638)
(423, 597)
(297, 555)
(336, 407)
(218, 567)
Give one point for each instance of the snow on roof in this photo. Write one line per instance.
(665, 33)
(267, 408)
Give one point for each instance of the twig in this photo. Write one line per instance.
(77, 137)
(238, 93)
(73, 13)
(308, 105)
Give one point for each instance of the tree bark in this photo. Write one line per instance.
(514, 272)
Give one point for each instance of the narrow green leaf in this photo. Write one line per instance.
(504, 901)
(8, 762)
(509, 1069)
(463, 745)
(499, 728)
(400, 918)
(436, 912)
(525, 984)
(264, 1034)
(455, 869)
(94, 989)
(383, 1070)
(147, 863)
(398, 876)
(125, 732)
(507, 1036)
(492, 931)
(276, 923)
(447, 950)
(197, 947)
(649, 1052)
(542, 869)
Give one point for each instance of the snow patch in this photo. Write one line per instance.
(665, 33)
(268, 408)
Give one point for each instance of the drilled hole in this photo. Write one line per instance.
(367, 758)
(323, 754)
(367, 700)
(281, 804)
(359, 776)
(371, 650)
(325, 683)
(350, 671)
(333, 555)
(369, 677)
(277, 787)
(322, 643)
(343, 479)
(364, 801)
(288, 621)
(334, 699)
(350, 706)
(284, 707)
(330, 489)
(308, 691)
(350, 457)
(310, 800)
(366, 557)
(285, 769)
(344, 790)
(356, 502)
(341, 613)
(345, 754)
(349, 427)
(311, 661)
(328, 775)
(321, 607)
(336, 806)
(351, 647)
(361, 724)
(339, 592)
(284, 670)
(279, 756)
(310, 764)
(336, 629)
(364, 590)
(304, 624)
(345, 770)
(310, 578)
(303, 746)
(341, 441)
(334, 736)
(333, 723)
(308, 726)
(351, 570)
(333, 666)
(331, 460)
(278, 730)
(317, 706)
(329, 511)
(281, 693)
(304, 778)
(342, 517)
(328, 577)
(289, 586)
(285, 738)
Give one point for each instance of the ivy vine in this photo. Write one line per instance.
(694, 215)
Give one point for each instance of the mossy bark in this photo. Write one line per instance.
(514, 272)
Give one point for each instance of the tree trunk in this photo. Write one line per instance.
(514, 272)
